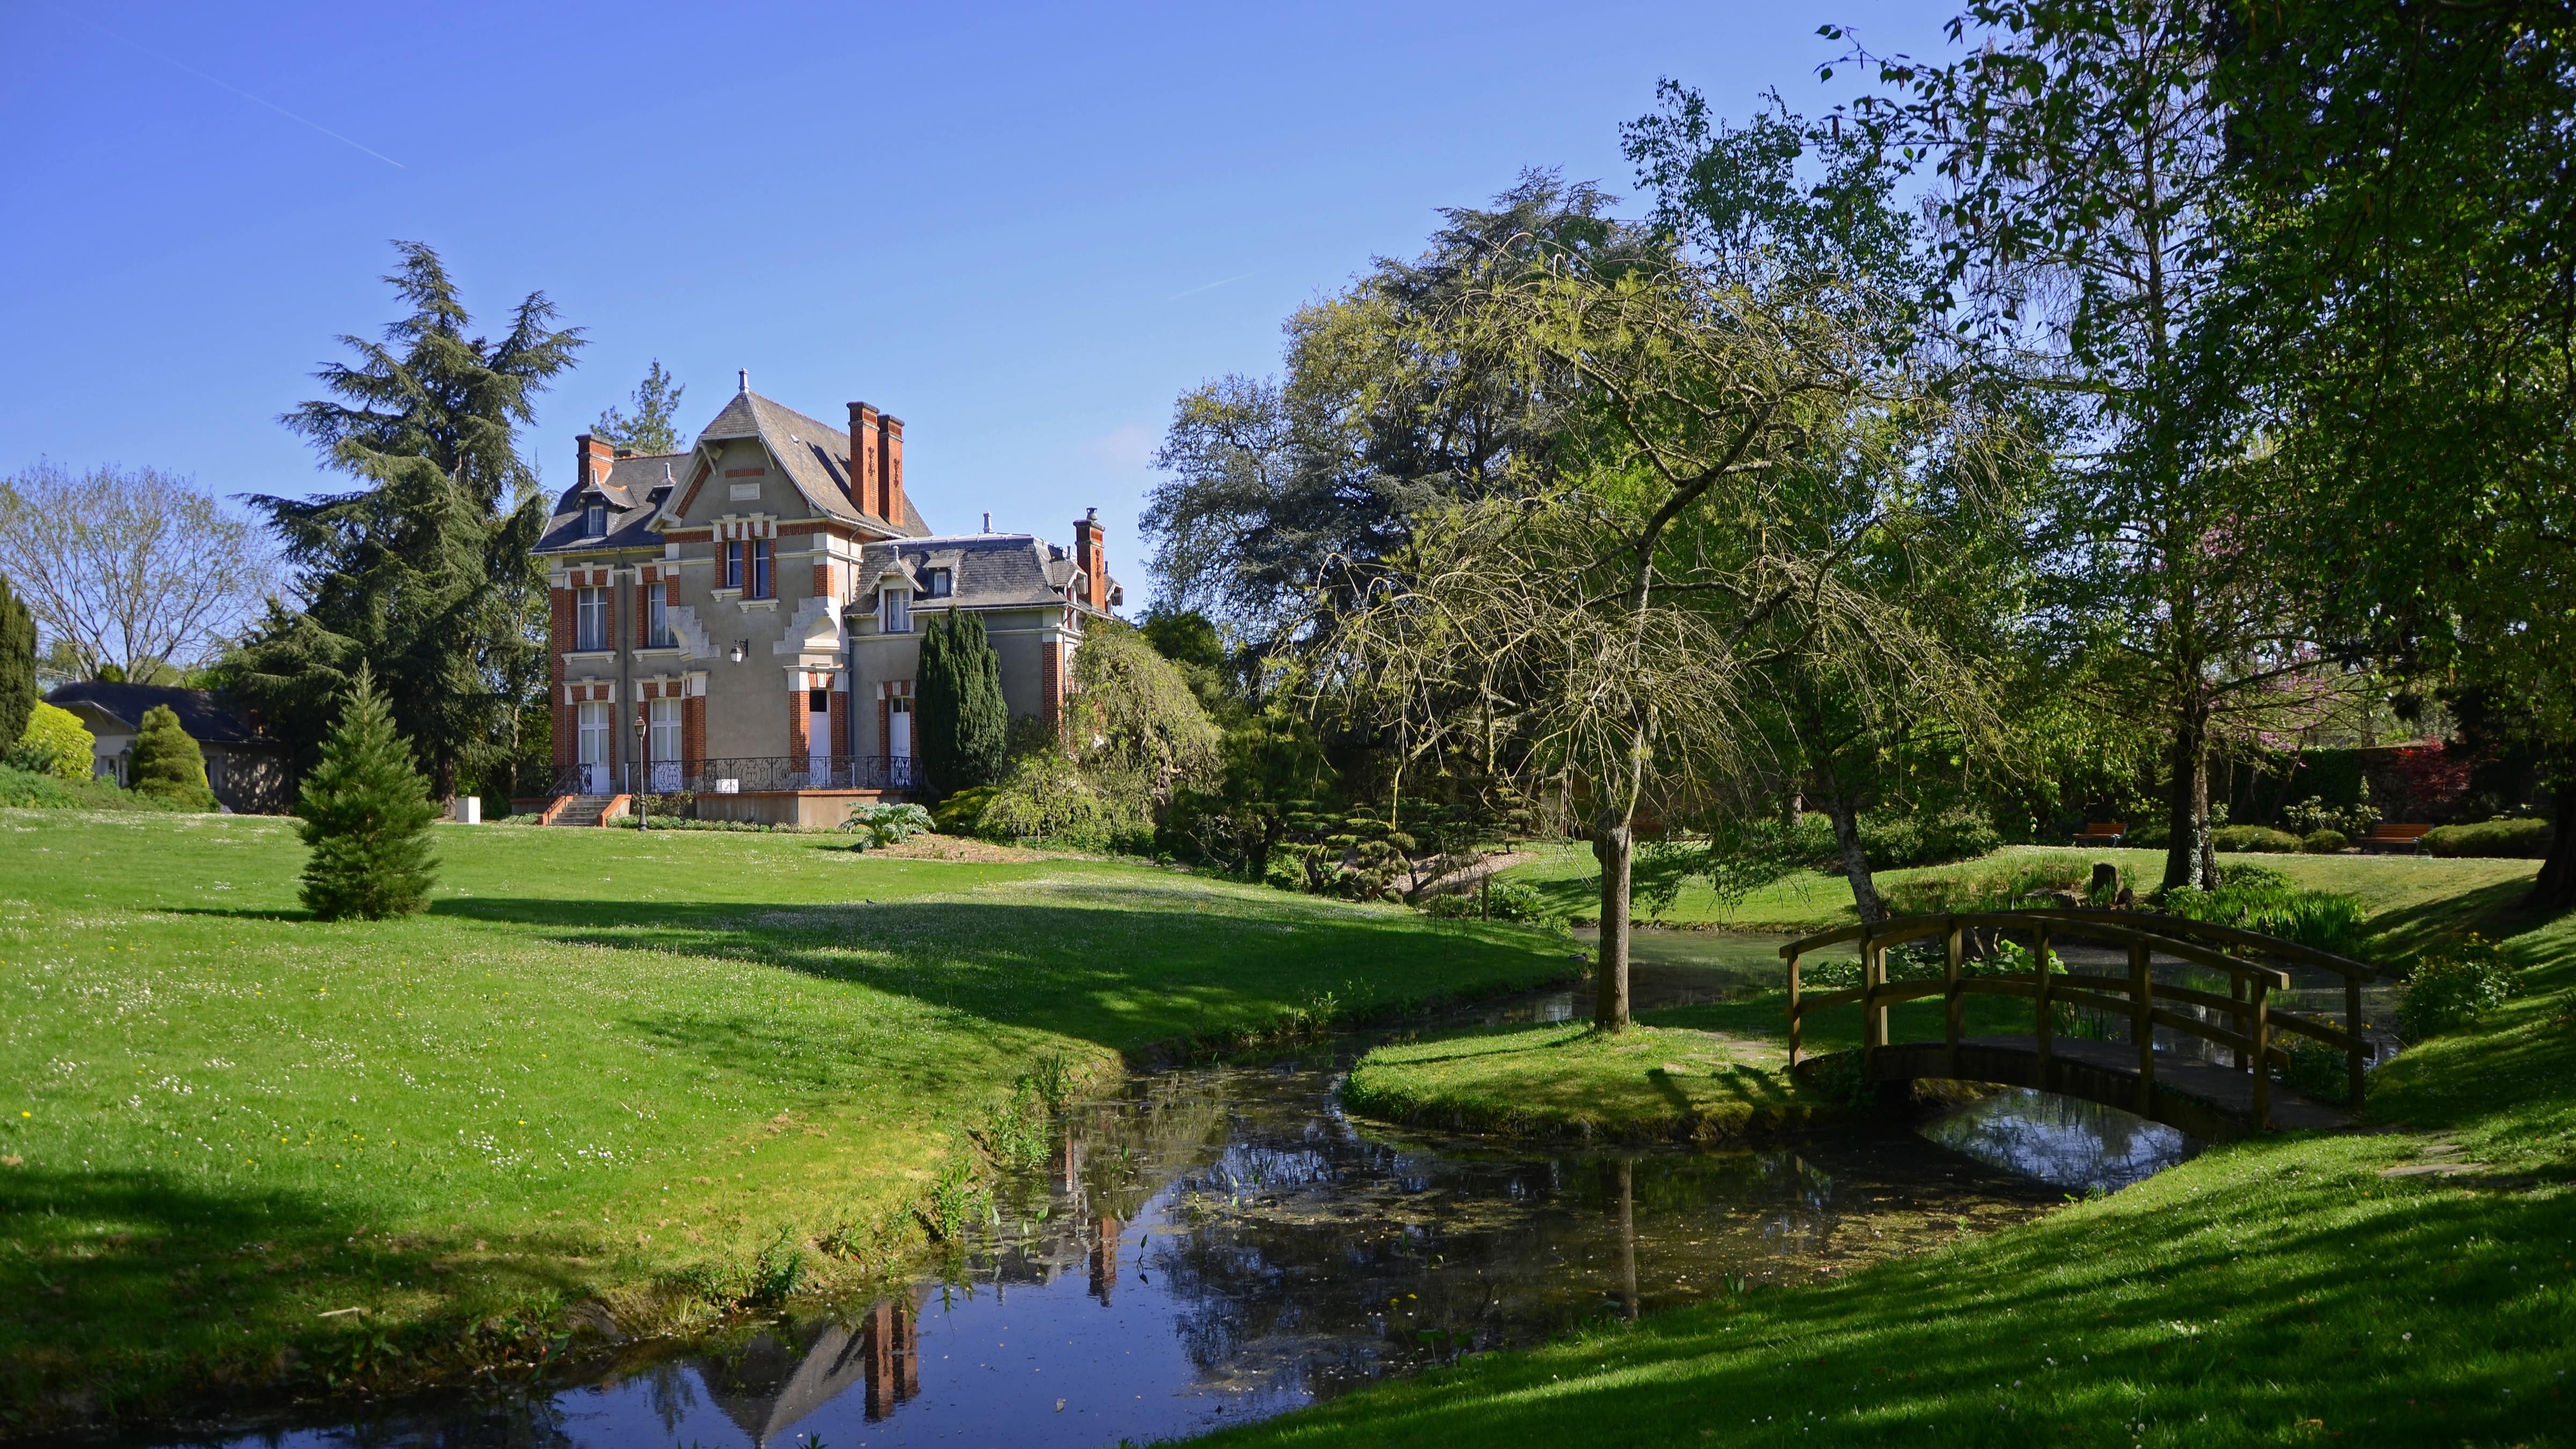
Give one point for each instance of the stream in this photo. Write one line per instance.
(1217, 1244)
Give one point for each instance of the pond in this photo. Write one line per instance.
(1222, 1243)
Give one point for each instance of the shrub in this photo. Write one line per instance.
(2325, 842)
(963, 812)
(366, 814)
(2257, 899)
(1046, 796)
(882, 824)
(1508, 900)
(2509, 839)
(2455, 986)
(55, 743)
(1994, 888)
(33, 790)
(167, 762)
(1901, 842)
(2254, 839)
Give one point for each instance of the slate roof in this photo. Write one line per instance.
(204, 715)
(986, 570)
(634, 491)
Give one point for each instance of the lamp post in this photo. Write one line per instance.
(643, 770)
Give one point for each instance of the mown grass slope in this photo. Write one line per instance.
(638, 1076)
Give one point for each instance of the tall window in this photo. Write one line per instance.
(733, 566)
(590, 619)
(657, 619)
(894, 611)
(662, 742)
(763, 584)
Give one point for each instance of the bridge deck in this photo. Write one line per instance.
(2199, 1097)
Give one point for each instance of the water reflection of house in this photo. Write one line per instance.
(772, 1383)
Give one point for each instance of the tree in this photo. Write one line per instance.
(2080, 150)
(366, 813)
(130, 568)
(426, 573)
(957, 704)
(17, 666)
(1133, 714)
(655, 427)
(167, 762)
(2401, 238)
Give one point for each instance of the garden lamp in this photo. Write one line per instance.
(643, 771)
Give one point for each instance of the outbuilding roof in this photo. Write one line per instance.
(202, 713)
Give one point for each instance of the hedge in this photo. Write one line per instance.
(2511, 839)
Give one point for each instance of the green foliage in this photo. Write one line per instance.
(1190, 640)
(17, 666)
(55, 743)
(963, 727)
(963, 812)
(2325, 842)
(2510, 839)
(366, 814)
(425, 573)
(1048, 797)
(1899, 841)
(45, 790)
(1132, 714)
(1497, 901)
(2262, 900)
(2354, 816)
(2454, 987)
(2253, 839)
(2000, 887)
(167, 762)
(655, 426)
(878, 824)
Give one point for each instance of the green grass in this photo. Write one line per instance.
(1568, 1080)
(601, 1079)
(2413, 1284)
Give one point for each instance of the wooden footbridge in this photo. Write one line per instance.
(2199, 1094)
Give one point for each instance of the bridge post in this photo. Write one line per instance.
(1953, 1000)
(1793, 1009)
(2047, 1008)
(2262, 1034)
(2142, 999)
(1869, 1020)
(2352, 1025)
(2242, 1020)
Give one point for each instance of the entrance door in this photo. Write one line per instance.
(595, 724)
(818, 738)
(662, 740)
(899, 743)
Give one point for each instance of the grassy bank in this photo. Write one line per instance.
(616, 1080)
(2411, 1284)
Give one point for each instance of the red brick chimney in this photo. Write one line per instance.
(1092, 559)
(591, 460)
(893, 510)
(865, 465)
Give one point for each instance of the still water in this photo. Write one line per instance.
(1222, 1243)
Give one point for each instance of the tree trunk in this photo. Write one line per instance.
(1846, 818)
(1614, 844)
(2555, 890)
(2187, 847)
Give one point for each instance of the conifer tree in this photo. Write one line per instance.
(655, 425)
(366, 813)
(958, 707)
(17, 666)
(167, 761)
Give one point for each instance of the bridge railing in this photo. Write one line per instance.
(2137, 996)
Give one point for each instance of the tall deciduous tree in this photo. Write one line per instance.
(425, 573)
(134, 568)
(654, 426)
(2080, 149)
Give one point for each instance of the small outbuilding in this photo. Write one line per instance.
(248, 768)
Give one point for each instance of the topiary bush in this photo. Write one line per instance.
(366, 813)
(2325, 842)
(2506, 839)
(167, 762)
(2454, 987)
(55, 743)
(2253, 839)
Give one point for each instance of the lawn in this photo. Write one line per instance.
(2411, 1284)
(617, 1080)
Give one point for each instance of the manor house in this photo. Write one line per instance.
(742, 621)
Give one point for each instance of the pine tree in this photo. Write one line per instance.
(655, 426)
(366, 813)
(17, 667)
(167, 761)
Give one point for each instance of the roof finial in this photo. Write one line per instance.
(745, 375)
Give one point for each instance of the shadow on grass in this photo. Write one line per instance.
(2494, 911)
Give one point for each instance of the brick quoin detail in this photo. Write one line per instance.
(840, 722)
(1051, 684)
(644, 609)
(822, 581)
(558, 637)
(671, 587)
(797, 753)
(693, 731)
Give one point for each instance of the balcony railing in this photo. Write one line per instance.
(742, 776)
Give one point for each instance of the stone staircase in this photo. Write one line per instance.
(582, 810)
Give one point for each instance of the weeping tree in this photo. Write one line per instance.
(1724, 455)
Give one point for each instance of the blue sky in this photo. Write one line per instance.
(1024, 230)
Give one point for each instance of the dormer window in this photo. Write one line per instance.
(594, 520)
(936, 583)
(894, 611)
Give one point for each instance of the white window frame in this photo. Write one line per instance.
(657, 619)
(662, 742)
(894, 611)
(590, 626)
(594, 520)
(594, 727)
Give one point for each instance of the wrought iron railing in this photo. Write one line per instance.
(742, 776)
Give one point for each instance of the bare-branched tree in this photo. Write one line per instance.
(135, 568)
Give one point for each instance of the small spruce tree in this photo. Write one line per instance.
(17, 666)
(167, 762)
(366, 813)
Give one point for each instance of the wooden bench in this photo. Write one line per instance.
(2408, 838)
(2101, 833)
